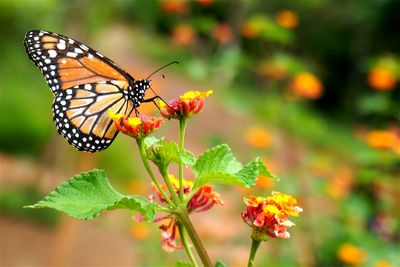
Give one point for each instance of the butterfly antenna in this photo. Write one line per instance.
(173, 62)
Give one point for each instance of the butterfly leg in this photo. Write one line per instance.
(152, 99)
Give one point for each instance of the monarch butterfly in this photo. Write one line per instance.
(85, 85)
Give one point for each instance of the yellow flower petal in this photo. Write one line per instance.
(133, 122)
(193, 94)
(271, 209)
(161, 104)
(113, 115)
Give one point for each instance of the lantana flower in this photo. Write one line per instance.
(203, 200)
(269, 216)
(137, 127)
(186, 105)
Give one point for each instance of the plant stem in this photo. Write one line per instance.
(182, 130)
(164, 174)
(142, 151)
(183, 218)
(254, 246)
(186, 245)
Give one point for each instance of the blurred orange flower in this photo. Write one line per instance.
(350, 254)
(265, 182)
(251, 29)
(381, 78)
(383, 263)
(179, 7)
(183, 34)
(275, 69)
(307, 85)
(222, 33)
(287, 19)
(139, 231)
(383, 139)
(341, 183)
(258, 137)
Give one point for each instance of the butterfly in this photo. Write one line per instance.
(85, 85)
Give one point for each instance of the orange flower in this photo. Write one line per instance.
(203, 200)
(258, 137)
(186, 105)
(275, 69)
(381, 78)
(137, 127)
(287, 19)
(383, 263)
(350, 254)
(341, 183)
(269, 216)
(139, 231)
(251, 29)
(179, 7)
(307, 85)
(383, 139)
(222, 33)
(183, 34)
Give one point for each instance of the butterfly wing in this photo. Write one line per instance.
(80, 114)
(65, 62)
(85, 85)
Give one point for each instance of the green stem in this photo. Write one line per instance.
(183, 218)
(186, 245)
(254, 246)
(142, 151)
(164, 174)
(182, 130)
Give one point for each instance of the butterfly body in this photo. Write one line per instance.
(85, 85)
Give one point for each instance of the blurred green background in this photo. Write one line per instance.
(310, 86)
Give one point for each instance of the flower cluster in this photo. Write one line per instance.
(269, 216)
(186, 105)
(204, 199)
(137, 127)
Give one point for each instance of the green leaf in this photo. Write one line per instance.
(164, 153)
(86, 195)
(220, 166)
(150, 140)
(187, 158)
(216, 160)
(263, 170)
(220, 264)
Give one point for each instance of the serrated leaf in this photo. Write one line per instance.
(187, 158)
(216, 160)
(220, 166)
(86, 195)
(262, 170)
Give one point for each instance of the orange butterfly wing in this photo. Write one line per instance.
(85, 85)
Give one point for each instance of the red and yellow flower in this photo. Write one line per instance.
(186, 105)
(269, 216)
(137, 127)
(203, 200)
